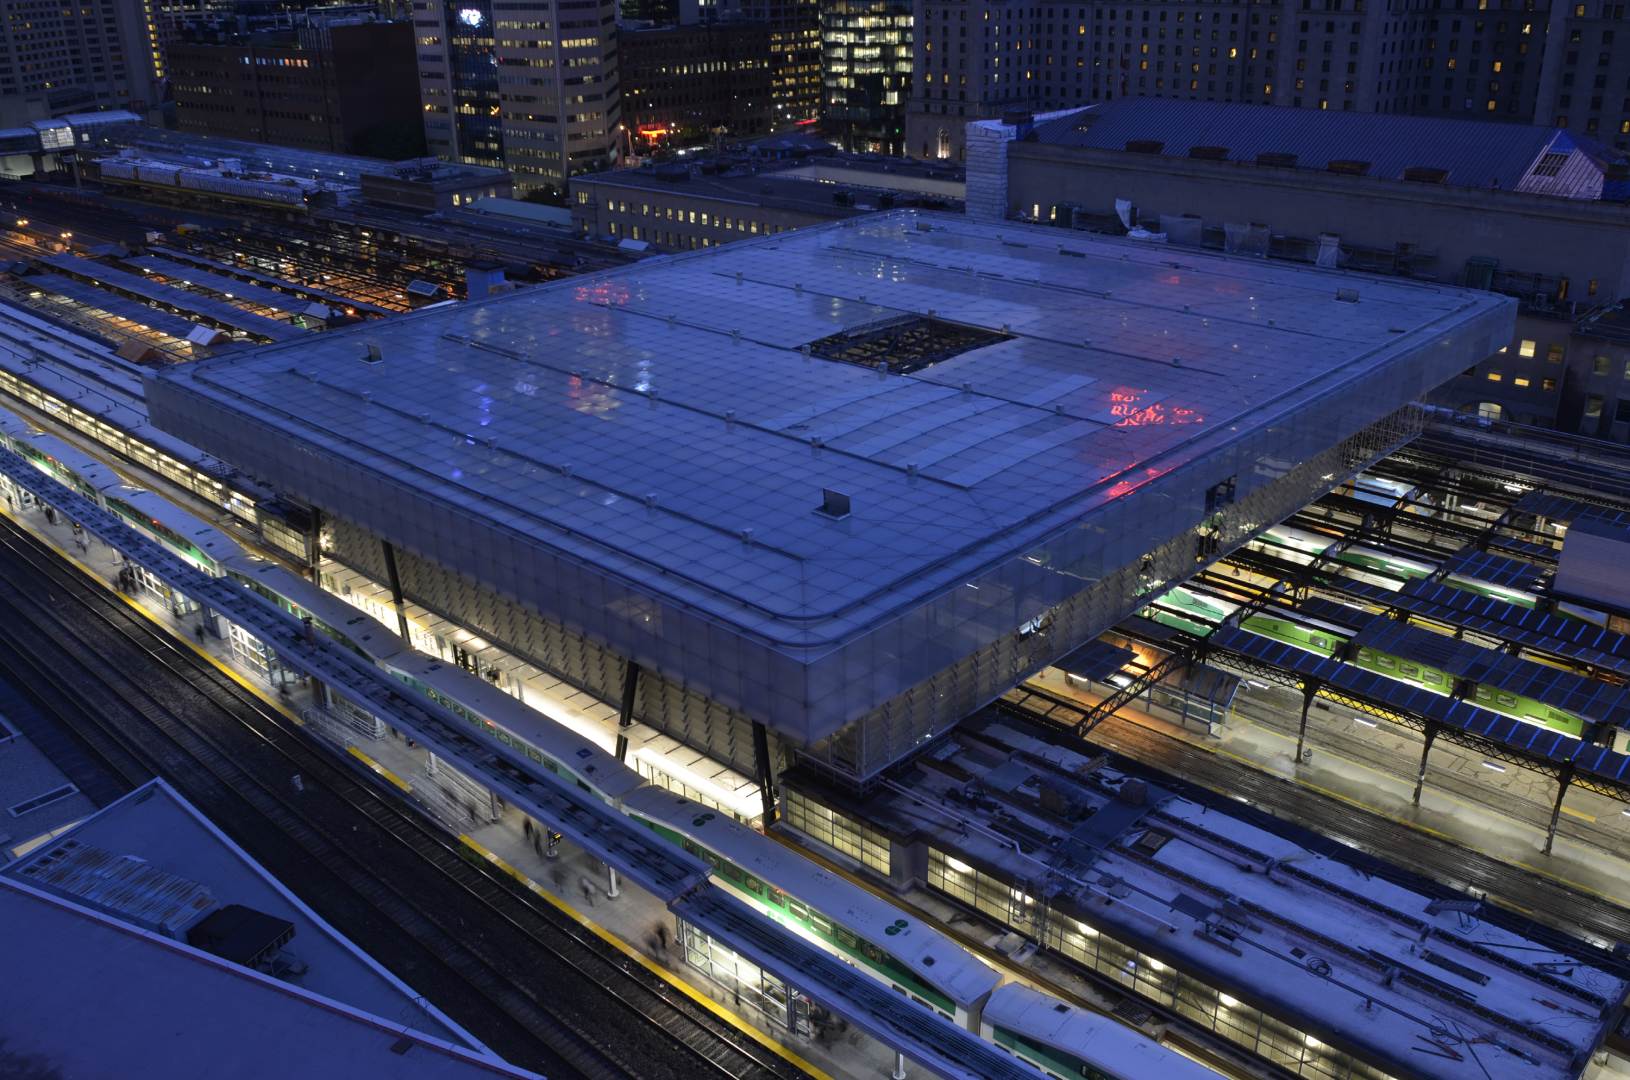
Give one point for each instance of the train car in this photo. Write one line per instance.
(65, 462)
(1528, 710)
(1182, 608)
(1303, 633)
(873, 934)
(502, 719)
(329, 615)
(197, 541)
(1491, 590)
(1067, 1043)
(1385, 562)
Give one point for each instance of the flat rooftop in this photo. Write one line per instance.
(807, 186)
(968, 392)
(1375, 965)
(87, 995)
(156, 824)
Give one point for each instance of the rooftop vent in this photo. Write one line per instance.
(1349, 168)
(834, 504)
(373, 353)
(1275, 160)
(1209, 153)
(1144, 146)
(1426, 174)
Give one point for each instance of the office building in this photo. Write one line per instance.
(827, 492)
(679, 207)
(57, 59)
(349, 88)
(682, 84)
(529, 87)
(866, 73)
(795, 57)
(1526, 211)
(1544, 63)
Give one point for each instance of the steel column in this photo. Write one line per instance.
(1563, 779)
(1426, 748)
(766, 771)
(625, 709)
(1309, 692)
(396, 591)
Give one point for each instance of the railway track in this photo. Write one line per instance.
(533, 984)
(1542, 899)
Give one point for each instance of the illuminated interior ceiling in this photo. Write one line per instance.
(905, 344)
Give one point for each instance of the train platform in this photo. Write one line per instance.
(575, 880)
(1500, 814)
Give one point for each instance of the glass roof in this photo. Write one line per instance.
(665, 414)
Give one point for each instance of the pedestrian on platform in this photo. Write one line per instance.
(662, 935)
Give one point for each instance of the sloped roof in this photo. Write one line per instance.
(1474, 153)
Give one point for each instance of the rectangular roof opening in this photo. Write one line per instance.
(901, 345)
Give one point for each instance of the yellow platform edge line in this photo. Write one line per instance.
(406, 787)
(605, 935)
(633, 954)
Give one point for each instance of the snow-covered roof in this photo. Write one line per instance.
(1399, 975)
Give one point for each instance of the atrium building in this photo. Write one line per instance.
(821, 495)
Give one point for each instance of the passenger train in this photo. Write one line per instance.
(1190, 609)
(848, 921)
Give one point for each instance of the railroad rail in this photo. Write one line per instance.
(525, 978)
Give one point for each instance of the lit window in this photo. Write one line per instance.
(1525, 347)
(1547, 384)
(1495, 376)
(1520, 382)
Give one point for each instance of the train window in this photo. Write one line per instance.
(1433, 677)
(820, 924)
(1505, 699)
(798, 910)
(1385, 661)
(1409, 669)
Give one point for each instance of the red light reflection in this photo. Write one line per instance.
(601, 292)
(1125, 406)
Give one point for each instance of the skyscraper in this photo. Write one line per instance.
(529, 86)
(866, 70)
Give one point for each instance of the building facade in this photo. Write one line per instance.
(532, 87)
(866, 73)
(682, 208)
(1523, 211)
(349, 88)
(795, 56)
(57, 59)
(1537, 63)
(682, 83)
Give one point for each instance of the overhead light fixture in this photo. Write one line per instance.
(1494, 765)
